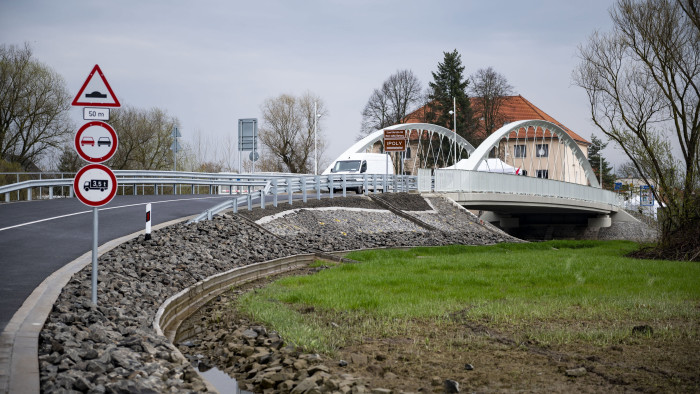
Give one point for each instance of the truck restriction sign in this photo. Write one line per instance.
(95, 185)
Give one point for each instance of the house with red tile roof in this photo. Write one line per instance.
(536, 152)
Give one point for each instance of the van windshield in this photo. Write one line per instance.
(347, 165)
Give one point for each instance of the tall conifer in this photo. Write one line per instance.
(449, 82)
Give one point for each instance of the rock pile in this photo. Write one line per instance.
(112, 347)
(260, 360)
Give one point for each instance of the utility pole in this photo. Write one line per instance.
(175, 147)
(454, 127)
(315, 139)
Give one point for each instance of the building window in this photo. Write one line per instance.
(542, 150)
(543, 174)
(520, 151)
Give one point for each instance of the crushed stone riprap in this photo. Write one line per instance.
(113, 348)
(339, 221)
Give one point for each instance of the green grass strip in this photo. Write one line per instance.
(513, 284)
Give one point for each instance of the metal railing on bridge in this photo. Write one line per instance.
(489, 182)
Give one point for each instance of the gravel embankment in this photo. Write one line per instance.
(112, 347)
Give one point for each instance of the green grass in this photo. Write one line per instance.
(539, 287)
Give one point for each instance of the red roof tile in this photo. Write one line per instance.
(514, 108)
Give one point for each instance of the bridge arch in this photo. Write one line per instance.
(420, 135)
(483, 151)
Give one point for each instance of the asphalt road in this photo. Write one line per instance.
(39, 237)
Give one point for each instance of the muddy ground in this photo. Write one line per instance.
(480, 356)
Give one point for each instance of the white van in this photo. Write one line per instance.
(361, 163)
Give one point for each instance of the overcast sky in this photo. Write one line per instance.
(210, 63)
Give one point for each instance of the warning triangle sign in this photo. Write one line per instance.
(96, 91)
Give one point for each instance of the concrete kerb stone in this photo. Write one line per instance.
(19, 340)
(181, 305)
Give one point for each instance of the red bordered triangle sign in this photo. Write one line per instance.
(96, 92)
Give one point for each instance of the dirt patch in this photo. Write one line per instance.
(479, 355)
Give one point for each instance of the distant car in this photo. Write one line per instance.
(104, 141)
(87, 141)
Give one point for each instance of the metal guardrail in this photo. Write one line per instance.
(287, 185)
(247, 186)
(136, 179)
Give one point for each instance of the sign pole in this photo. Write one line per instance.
(386, 172)
(95, 222)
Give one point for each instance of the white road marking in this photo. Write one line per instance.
(105, 209)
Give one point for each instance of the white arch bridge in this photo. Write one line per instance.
(527, 173)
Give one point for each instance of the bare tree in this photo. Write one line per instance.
(399, 94)
(34, 106)
(287, 131)
(643, 84)
(627, 170)
(144, 139)
(490, 88)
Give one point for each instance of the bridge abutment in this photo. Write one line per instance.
(600, 221)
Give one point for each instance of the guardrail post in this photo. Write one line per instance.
(155, 190)
(50, 192)
(7, 197)
(262, 200)
(209, 214)
(274, 192)
(289, 190)
(374, 183)
(364, 184)
(345, 185)
(318, 187)
(250, 201)
(234, 202)
(330, 186)
(29, 194)
(303, 188)
(396, 183)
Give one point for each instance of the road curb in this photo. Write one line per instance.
(19, 341)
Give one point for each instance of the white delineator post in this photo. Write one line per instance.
(148, 221)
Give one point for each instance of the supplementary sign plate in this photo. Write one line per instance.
(95, 113)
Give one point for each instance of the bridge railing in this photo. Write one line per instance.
(489, 182)
(311, 186)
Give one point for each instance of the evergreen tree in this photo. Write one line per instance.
(595, 156)
(448, 83)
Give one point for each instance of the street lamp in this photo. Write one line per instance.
(454, 125)
(316, 116)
